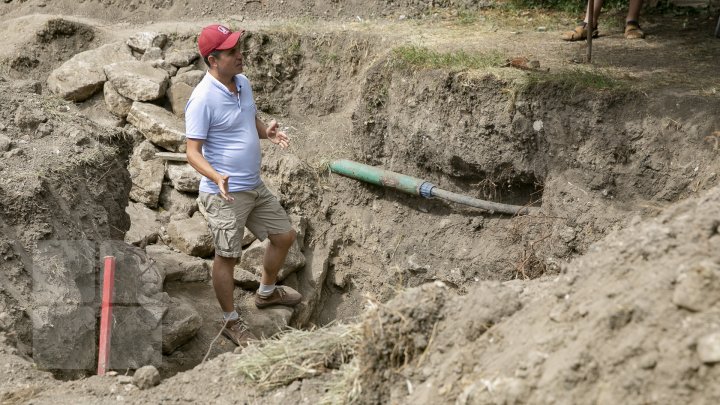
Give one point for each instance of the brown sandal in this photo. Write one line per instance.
(579, 33)
(633, 31)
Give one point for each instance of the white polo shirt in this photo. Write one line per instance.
(226, 123)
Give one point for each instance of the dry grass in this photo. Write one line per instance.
(298, 354)
(425, 58)
(344, 385)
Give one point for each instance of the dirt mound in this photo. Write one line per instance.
(37, 44)
(143, 10)
(632, 321)
(63, 179)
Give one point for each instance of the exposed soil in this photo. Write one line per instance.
(575, 304)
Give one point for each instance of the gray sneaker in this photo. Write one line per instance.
(237, 331)
(283, 295)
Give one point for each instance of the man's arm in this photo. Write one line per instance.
(199, 163)
(271, 133)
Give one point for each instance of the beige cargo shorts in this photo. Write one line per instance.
(258, 210)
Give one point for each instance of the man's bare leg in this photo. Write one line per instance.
(274, 259)
(275, 255)
(222, 280)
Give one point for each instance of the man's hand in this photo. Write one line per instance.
(222, 182)
(277, 137)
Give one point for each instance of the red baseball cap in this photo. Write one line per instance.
(217, 37)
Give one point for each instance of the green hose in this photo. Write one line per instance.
(415, 186)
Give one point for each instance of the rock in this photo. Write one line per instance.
(175, 202)
(505, 390)
(183, 177)
(96, 111)
(311, 284)
(698, 287)
(246, 280)
(28, 117)
(146, 377)
(164, 65)
(181, 57)
(125, 379)
(158, 125)
(115, 102)
(299, 224)
(152, 54)
(142, 41)
(708, 348)
(137, 80)
(191, 236)
(5, 143)
(83, 75)
(179, 94)
(266, 322)
(191, 77)
(44, 129)
(147, 173)
(144, 227)
(186, 69)
(178, 266)
(180, 324)
(252, 259)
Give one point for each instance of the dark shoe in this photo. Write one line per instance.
(633, 31)
(283, 295)
(579, 33)
(237, 331)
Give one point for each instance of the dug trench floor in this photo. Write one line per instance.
(596, 148)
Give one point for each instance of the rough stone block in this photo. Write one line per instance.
(137, 80)
(146, 173)
(83, 75)
(158, 125)
(191, 236)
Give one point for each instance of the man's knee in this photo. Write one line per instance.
(283, 240)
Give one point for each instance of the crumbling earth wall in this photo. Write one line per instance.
(63, 179)
(634, 320)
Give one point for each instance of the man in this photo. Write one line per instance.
(632, 25)
(223, 144)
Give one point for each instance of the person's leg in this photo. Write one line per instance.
(634, 11)
(226, 224)
(269, 220)
(224, 285)
(222, 281)
(275, 255)
(580, 32)
(269, 294)
(597, 6)
(632, 21)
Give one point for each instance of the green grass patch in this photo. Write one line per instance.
(424, 58)
(467, 17)
(576, 79)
